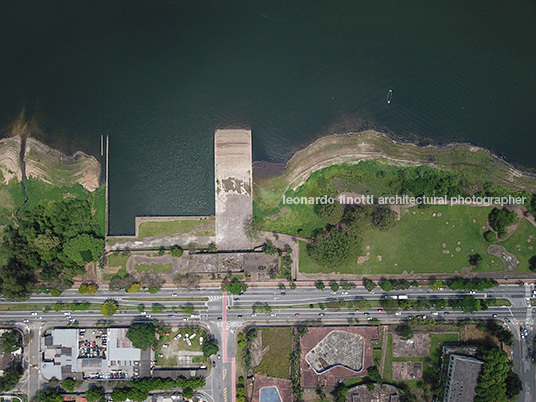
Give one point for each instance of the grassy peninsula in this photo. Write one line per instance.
(402, 238)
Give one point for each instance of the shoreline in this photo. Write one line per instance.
(47, 164)
(353, 147)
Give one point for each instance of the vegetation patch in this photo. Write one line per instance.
(276, 361)
(195, 227)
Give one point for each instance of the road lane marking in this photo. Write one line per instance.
(225, 394)
(224, 374)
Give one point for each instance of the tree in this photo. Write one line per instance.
(384, 218)
(404, 331)
(331, 248)
(187, 393)
(320, 285)
(474, 259)
(374, 374)
(10, 341)
(270, 249)
(87, 289)
(500, 219)
(109, 308)
(490, 236)
(119, 394)
(331, 213)
(532, 263)
(235, 286)
(134, 288)
(210, 348)
(188, 309)
(48, 395)
(369, 284)
(83, 248)
(176, 251)
(68, 384)
(95, 394)
(513, 385)
(142, 335)
(437, 285)
(334, 286)
(389, 304)
(212, 248)
(11, 377)
(387, 286)
(492, 380)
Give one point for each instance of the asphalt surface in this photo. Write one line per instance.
(223, 314)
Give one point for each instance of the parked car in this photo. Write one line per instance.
(297, 314)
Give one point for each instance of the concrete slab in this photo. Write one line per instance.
(233, 181)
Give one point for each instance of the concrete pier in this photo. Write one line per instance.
(233, 187)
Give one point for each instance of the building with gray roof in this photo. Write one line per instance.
(463, 372)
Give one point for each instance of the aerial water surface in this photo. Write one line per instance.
(160, 76)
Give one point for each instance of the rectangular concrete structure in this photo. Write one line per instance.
(233, 188)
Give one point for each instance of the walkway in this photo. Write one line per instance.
(233, 187)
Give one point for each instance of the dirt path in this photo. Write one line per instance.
(385, 338)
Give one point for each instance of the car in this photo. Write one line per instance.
(220, 318)
(446, 313)
(297, 314)
(237, 299)
(33, 313)
(506, 319)
(398, 313)
(219, 357)
(26, 320)
(283, 293)
(494, 315)
(254, 315)
(435, 313)
(239, 316)
(367, 314)
(39, 317)
(352, 314)
(344, 293)
(357, 310)
(369, 318)
(381, 310)
(472, 292)
(174, 294)
(272, 315)
(321, 314)
(171, 316)
(411, 317)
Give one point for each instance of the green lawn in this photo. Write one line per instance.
(11, 197)
(388, 370)
(521, 237)
(157, 269)
(436, 339)
(117, 260)
(276, 362)
(416, 244)
(121, 272)
(196, 227)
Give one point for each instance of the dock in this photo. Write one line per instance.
(233, 188)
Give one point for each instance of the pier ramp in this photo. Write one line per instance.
(233, 188)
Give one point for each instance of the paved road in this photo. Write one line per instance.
(223, 314)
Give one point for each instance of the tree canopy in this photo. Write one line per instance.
(142, 335)
(55, 239)
(493, 376)
(109, 308)
(210, 348)
(500, 219)
(10, 341)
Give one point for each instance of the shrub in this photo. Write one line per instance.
(176, 251)
(490, 236)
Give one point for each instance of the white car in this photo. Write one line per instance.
(398, 313)
(25, 321)
(39, 317)
(33, 313)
